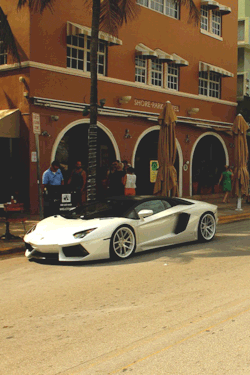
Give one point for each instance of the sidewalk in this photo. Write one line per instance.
(227, 214)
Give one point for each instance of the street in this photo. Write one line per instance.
(182, 310)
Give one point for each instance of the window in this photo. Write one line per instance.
(241, 31)
(209, 84)
(204, 18)
(155, 205)
(140, 69)
(3, 54)
(173, 76)
(156, 69)
(211, 20)
(78, 53)
(156, 73)
(216, 23)
(168, 7)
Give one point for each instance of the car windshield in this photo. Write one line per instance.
(109, 208)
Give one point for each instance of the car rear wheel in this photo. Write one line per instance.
(123, 243)
(207, 227)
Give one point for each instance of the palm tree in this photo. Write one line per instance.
(7, 39)
(108, 15)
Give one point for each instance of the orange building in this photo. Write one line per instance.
(157, 57)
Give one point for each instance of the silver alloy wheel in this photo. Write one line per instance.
(207, 226)
(123, 242)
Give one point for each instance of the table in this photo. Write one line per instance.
(9, 210)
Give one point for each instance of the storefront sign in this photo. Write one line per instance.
(36, 123)
(153, 105)
(154, 165)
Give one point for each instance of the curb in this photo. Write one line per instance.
(12, 250)
(232, 218)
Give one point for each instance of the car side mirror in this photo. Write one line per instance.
(145, 213)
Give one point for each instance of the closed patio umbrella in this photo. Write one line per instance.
(241, 175)
(166, 180)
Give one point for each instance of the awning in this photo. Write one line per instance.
(204, 67)
(224, 9)
(75, 29)
(163, 56)
(179, 60)
(207, 124)
(142, 50)
(10, 123)
(211, 4)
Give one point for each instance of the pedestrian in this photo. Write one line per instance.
(226, 178)
(51, 180)
(129, 181)
(116, 187)
(77, 182)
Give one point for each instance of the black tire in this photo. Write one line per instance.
(207, 227)
(123, 242)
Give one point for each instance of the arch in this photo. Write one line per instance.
(179, 150)
(193, 150)
(85, 121)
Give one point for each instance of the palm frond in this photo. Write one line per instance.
(36, 5)
(194, 13)
(116, 12)
(7, 38)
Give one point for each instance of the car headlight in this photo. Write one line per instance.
(83, 233)
(31, 229)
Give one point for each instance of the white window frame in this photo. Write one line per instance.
(78, 53)
(156, 74)
(210, 84)
(173, 73)
(216, 23)
(3, 55)
(170, 8)
(141, 68)
(167, 77)
(211, 22)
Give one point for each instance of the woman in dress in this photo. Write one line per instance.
(226, 178)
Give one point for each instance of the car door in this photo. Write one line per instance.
(154, 230)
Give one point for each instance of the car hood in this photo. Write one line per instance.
(57, 229)
(67, 225)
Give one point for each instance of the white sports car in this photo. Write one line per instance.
(120, 226)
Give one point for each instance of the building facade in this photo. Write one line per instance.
(158, 57)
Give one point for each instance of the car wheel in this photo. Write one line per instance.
(123, 242)
(207, 227)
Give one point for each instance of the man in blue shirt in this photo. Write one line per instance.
(53, 175)
(52, 179)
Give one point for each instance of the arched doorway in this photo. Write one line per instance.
(208, 161)
(145, 151)
(72, 145)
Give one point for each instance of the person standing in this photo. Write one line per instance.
(226, 178)
(129, 181)
(52, 178)
(115, 176)
(77, 182)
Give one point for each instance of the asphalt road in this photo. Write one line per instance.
(184, 310)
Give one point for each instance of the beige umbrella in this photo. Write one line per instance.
(166, 180)
(241, 175)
